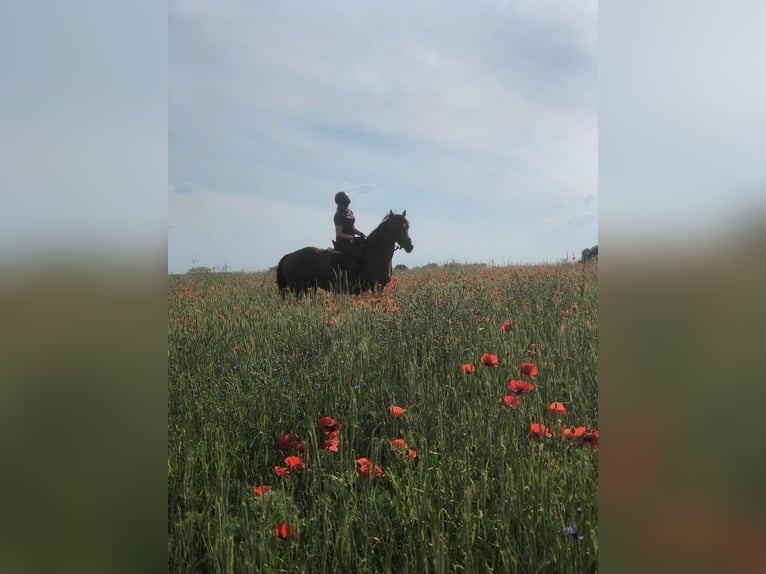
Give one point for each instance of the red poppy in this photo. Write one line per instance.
(575, 307)
(590, 437)
(331, 445)
(489, 360)
(468, 368)
(537, 430)
(509, 402)
(295, 463)
(398, 443)
(281, 471)
(364, 470)
(396, 412)
(362, 461)
(285, 442)
(557, 409)
(565, 313)
(329, 426)
(283, 530)
(330, 322)
(529, 369)
(410, 453)
(520, 387)
(506, 326)
(261, 490)
(581, 435)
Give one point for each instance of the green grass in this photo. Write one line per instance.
(480, 496)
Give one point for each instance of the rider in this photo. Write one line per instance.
(346, 233)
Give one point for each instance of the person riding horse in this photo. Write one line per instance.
(346, 235)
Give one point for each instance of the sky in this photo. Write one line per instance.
(479, 119)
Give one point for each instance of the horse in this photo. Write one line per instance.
(312, 267)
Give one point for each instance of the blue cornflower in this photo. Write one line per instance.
(357, 387)
(236, 368)
(180, 347)
(572, 531)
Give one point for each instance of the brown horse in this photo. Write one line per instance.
(312, 267)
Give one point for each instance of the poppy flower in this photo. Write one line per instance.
(362, 461)
(261, 490)
(557, 409)
(295, 463)
(520, 387)
(509, 402)
(489, 360)
(590, 437)
(396, 412)
(281, 471)
(565, 313)
(506, 326)
(329, 426)
(331, 445)
(364, 470)
(285, 443)
(528, 369)
(398, 443)
(468, 368)
(284, 531)
(411, 453)
(537, 430)
(330, 322)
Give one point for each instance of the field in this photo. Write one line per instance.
(489, 475)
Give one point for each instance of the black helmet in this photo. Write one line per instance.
(342, 199)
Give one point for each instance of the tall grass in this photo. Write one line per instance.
(247, 367)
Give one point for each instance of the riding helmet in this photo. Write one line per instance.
(342, 199)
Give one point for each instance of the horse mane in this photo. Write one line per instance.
(375, 233)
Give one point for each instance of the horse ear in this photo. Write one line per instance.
(391, 212)
(404, 213)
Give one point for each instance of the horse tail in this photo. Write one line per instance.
(281, 279)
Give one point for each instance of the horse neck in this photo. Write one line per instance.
(380, 242)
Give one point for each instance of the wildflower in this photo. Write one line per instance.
(591, 438)
(329, 426)
(398, 443)
(565, 313)
(357, 387)
(362, 461)
(468, 368)
(581, 436)
(396, 412)
(509, 402)
(557, 409)
(572, 531)
(520, 387)
(295, 463)
(489, 360)
(529, 369)
(506, 326)
(283, 530)
(329, 323)
(331, 445)
(281, 471)
(411, 453)
(537, 430)
(364, 470)
(575, 307)
(237, 368)
(287, 442)
(261, 490)
(179, 347)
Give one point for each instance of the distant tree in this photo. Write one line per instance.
(589, 254)
(200, 269)
(401, 267)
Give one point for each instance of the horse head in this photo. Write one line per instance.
(400, 229)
